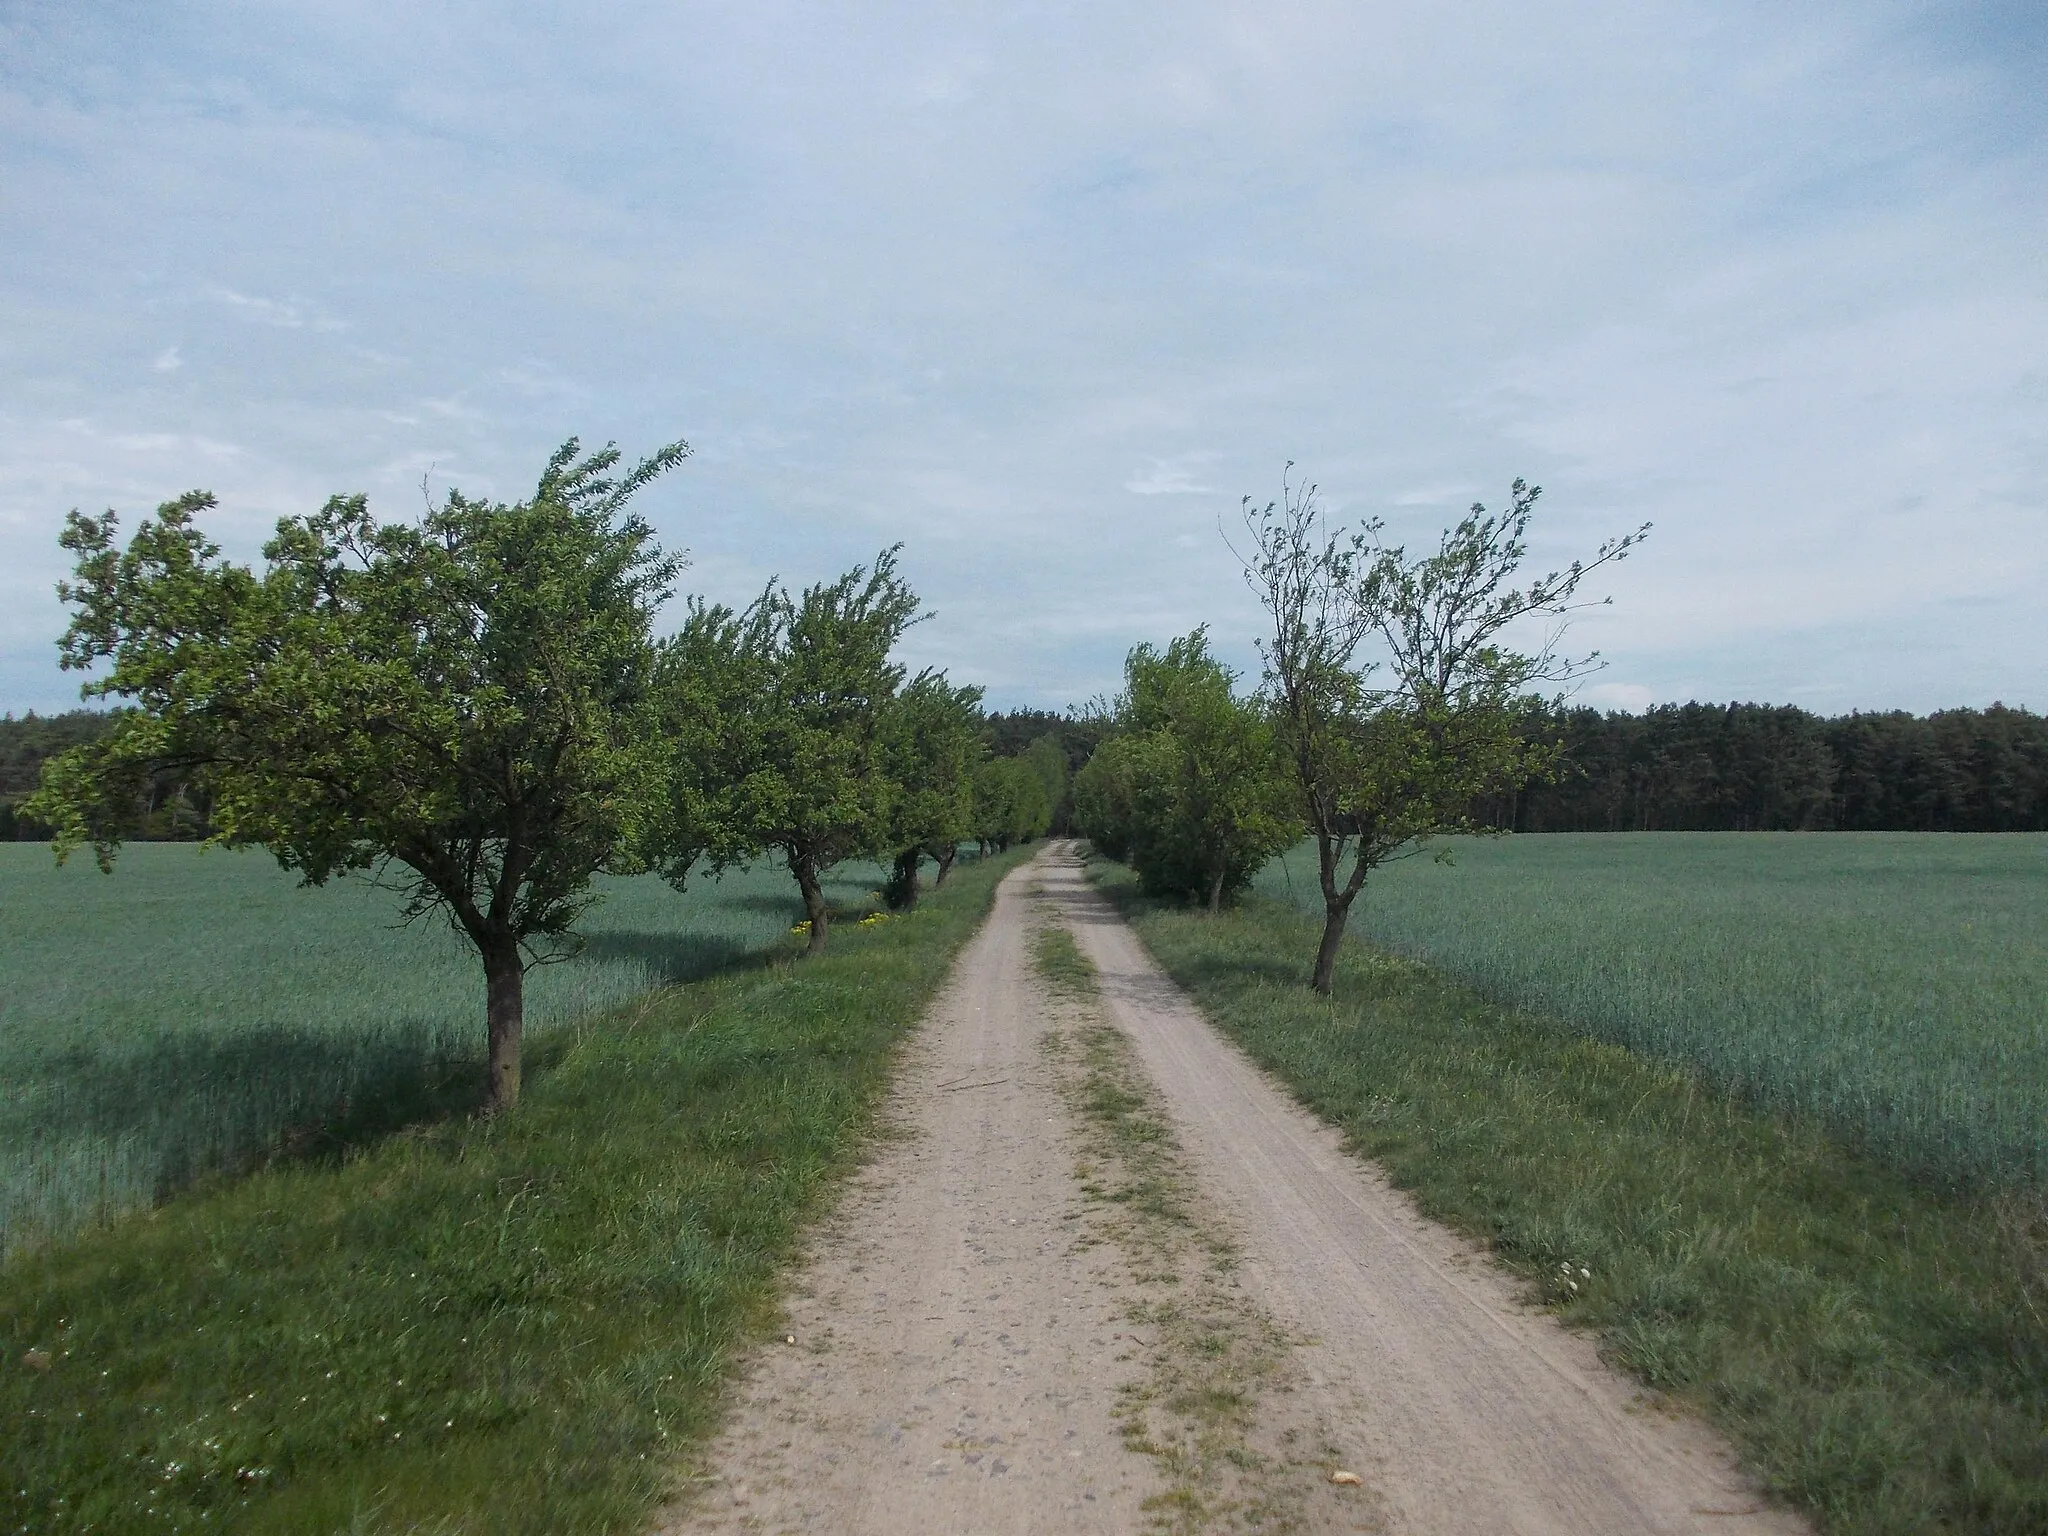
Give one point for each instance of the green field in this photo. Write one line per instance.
(195, 1008)
(1875, 1342)
(509, 1325)
(1891, 985)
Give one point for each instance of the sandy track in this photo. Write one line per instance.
(961, 1337)
(956, 1361)
(1466, 1410)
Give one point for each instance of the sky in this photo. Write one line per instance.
(1043, 291)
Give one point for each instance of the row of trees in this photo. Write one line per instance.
(476, 710)
(1677, 767)
(1755, 767)
(1020, 785)
(1058, 745)
(1391, 704)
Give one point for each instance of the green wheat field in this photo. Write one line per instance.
(1892, 985)
(197, 1009)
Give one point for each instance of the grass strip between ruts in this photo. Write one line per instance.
(506, 1326)
(1878, 1348)
(1216, 1405)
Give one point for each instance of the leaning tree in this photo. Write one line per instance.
(1386, 750)
(461, 705)
(791, 701)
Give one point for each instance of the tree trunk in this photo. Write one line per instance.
(901, 892)
(814, 902)
(1335, 916)
(1337, 897)
(945, 861)
(1216, 891)
(505, 987)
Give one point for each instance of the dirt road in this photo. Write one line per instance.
(965, 1354)
(955, 1359)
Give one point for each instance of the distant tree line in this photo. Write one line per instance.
(1058, 747)
(165, 808)
(1777, 768)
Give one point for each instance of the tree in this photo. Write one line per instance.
(1382, 763)
(1010, 804)
(792, 697)
(1056, 745)
(1047, 757)
(1009, 734)
(461, 706)
(713, 679)
(932, 742)
(1192, 793)
(1105, 796)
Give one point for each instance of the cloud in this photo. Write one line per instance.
(286, 314)
(168, 361)
(1044, 294)
(1165, 479)
(181, 446)
(1456, 493)
(454, 407)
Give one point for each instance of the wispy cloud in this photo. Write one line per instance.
(176, 445)
(454, 407)
(1457, 494)
(286, 314)
(1180, 478)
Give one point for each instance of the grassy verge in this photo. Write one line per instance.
(1885, 984)
(1213, 1407)
(1877, 1347)
(507, 1327)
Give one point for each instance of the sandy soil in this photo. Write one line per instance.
(964, 1357)
(1464, 1409)
(956, 1359)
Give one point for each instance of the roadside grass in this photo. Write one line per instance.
(198, 1011)
(1889, 984)
(1876, 1344)
(1212, 1407)
(510, 1326)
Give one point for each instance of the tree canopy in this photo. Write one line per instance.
(932, 743)
(1391, 748)
(1191, 791)
(777, 720)
(1010, 803)
(462, 705)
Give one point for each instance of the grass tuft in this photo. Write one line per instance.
(1061, 964)
(1214, 1407)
